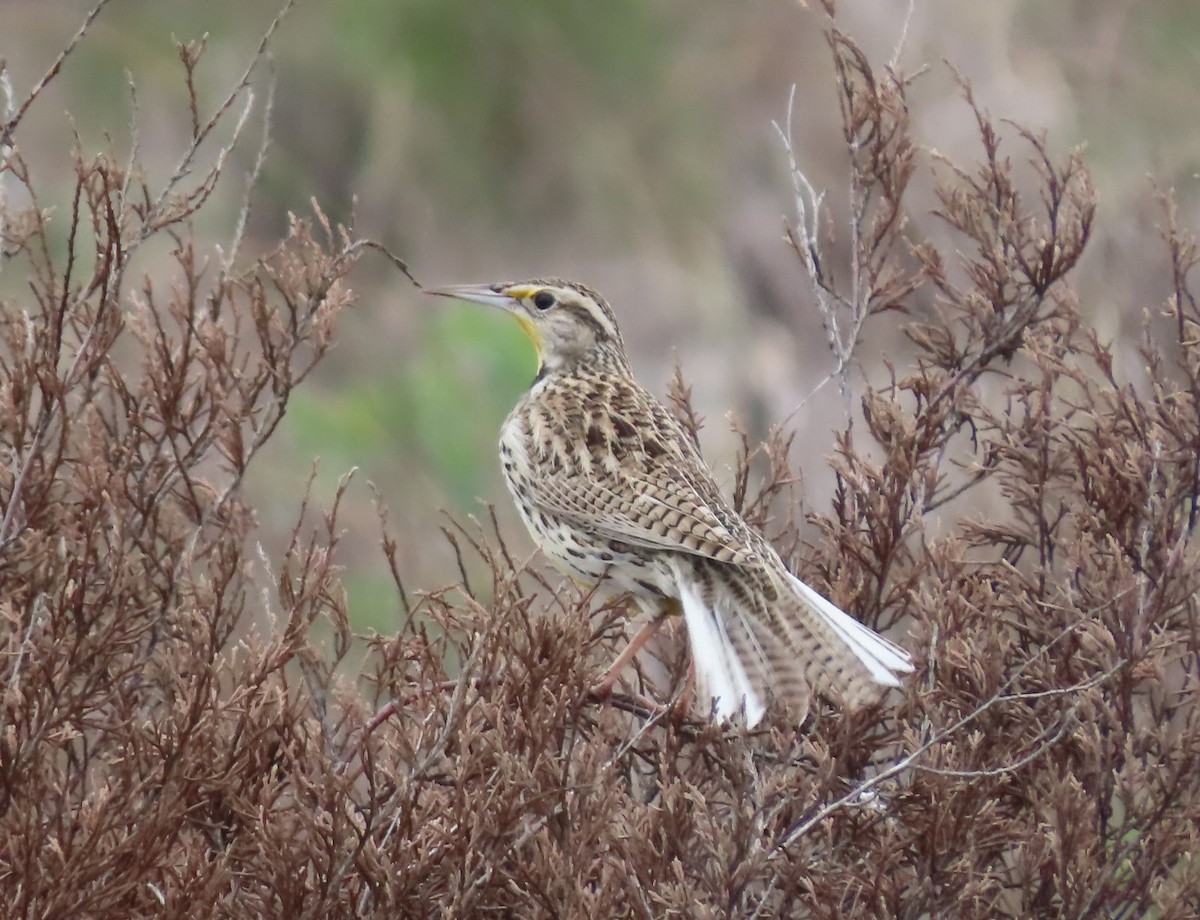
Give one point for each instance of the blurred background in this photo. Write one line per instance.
(628, 145)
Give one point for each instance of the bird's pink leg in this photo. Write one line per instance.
(683, 699)
(604, 687)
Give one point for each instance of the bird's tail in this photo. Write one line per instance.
(753, 634)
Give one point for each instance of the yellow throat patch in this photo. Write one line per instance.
(523, 292)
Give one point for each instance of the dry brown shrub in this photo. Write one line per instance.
(167, 751)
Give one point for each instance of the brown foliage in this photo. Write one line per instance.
(173, 744)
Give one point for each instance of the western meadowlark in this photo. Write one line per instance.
(611, 487)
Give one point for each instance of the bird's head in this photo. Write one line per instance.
(570, 325)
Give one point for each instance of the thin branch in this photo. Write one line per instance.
(11, 122)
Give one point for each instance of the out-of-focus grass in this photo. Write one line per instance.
(439, 407)
(617, 140)
(530, 112)
(450, 399)
(424, 428)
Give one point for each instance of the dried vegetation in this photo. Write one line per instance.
(176, 743)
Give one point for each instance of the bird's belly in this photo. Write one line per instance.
(582, 553)
(590, 558)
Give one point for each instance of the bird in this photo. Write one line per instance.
(611, 488)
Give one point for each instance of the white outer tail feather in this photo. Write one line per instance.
(880, 656)
(723, 675)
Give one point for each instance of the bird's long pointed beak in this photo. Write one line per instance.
(485, 294)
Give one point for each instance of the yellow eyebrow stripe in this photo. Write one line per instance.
(521, 291)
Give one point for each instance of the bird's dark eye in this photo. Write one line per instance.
(543, 300)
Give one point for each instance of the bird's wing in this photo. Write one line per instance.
(633, 475)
